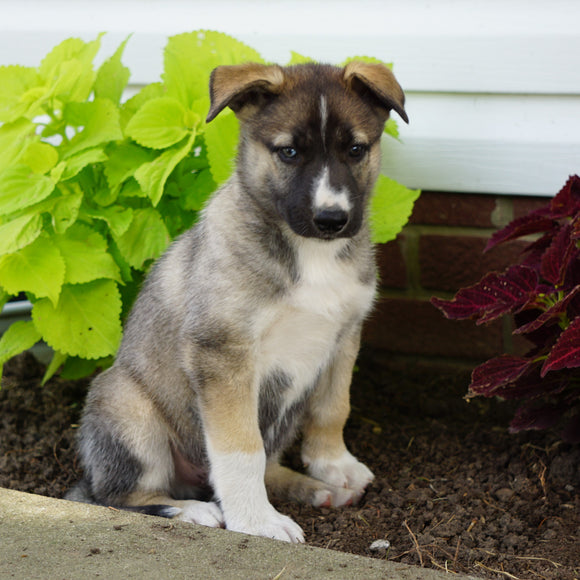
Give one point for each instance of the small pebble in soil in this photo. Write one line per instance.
(380, 547)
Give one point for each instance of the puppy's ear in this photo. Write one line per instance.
(241, 85)
(364, 77)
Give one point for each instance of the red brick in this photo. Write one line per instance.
(525, 205)
(391, 263)
(453, 262)
(416, 327)
(454, 209)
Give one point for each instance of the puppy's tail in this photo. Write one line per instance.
(81, 493)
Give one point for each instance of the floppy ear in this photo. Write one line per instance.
(238, 85)
(380, 81)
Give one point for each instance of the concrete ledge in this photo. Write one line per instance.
(45, 538)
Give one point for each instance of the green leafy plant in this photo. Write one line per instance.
(93, 188)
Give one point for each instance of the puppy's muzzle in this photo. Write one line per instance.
(330, 221)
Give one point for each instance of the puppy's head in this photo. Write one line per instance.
(310, 138)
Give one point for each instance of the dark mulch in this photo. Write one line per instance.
(454, 490)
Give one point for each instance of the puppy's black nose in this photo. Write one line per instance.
(330, 220)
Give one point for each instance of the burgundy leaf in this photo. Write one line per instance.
(534, 252)
(543, 339)
(533, 223)
(557, 257)
(534, 416)
(530, 385)
(496, 373)
(492, 296)
(576, 227)
(553, 314)
(567, 202)
(566, 352)
(572, 274)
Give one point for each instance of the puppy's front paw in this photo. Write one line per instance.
(205, 513)
(269, 524)
(345, 471)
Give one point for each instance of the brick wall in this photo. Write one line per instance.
(439, 252)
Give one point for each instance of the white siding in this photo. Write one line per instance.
(493, 86)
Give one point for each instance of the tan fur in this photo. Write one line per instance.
(381, 81)
(329, 406)
(227, 83)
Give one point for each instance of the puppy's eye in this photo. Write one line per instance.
(287, 153)
(357, 151)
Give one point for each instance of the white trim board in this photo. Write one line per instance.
(520, 145)
(493, 86)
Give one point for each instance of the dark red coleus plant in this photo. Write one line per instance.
(543, 294)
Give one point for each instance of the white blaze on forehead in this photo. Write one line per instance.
(326, 196)
(323, 117)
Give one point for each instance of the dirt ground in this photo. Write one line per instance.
(453, 490)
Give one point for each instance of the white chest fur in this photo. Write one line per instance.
(298, 335)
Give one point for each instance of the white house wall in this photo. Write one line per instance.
(493, 87)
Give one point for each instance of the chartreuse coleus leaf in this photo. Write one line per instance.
(100, 124)
(19, 232)
(75, 164)
(153, 175)
(20, 187)
(65, 210)
(85, 255)
(76, 367)
(148, 92)
(124, 159)
(159, 123)
(117, 217)
(391, 207)
(38, 268)
(145, 239)
(221, 139)
(85, 322)
(189, 59)
(40, 157)
(4, 297)
(57, 360)
(21, 336)
(201, 187)
(14, 139)
(112, 76)
(16, 82)
(297, 58)
(67, 70)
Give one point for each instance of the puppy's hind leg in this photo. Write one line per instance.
(127, 456)
(286, 484)
(205, 513)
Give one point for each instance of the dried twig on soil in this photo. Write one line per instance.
(480, 565)
(415, 542)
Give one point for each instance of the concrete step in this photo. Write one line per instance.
(46, 538)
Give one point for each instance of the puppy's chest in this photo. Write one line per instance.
(300, 334)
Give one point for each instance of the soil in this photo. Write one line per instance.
(454, 490)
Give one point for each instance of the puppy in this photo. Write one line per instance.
(246, 330)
